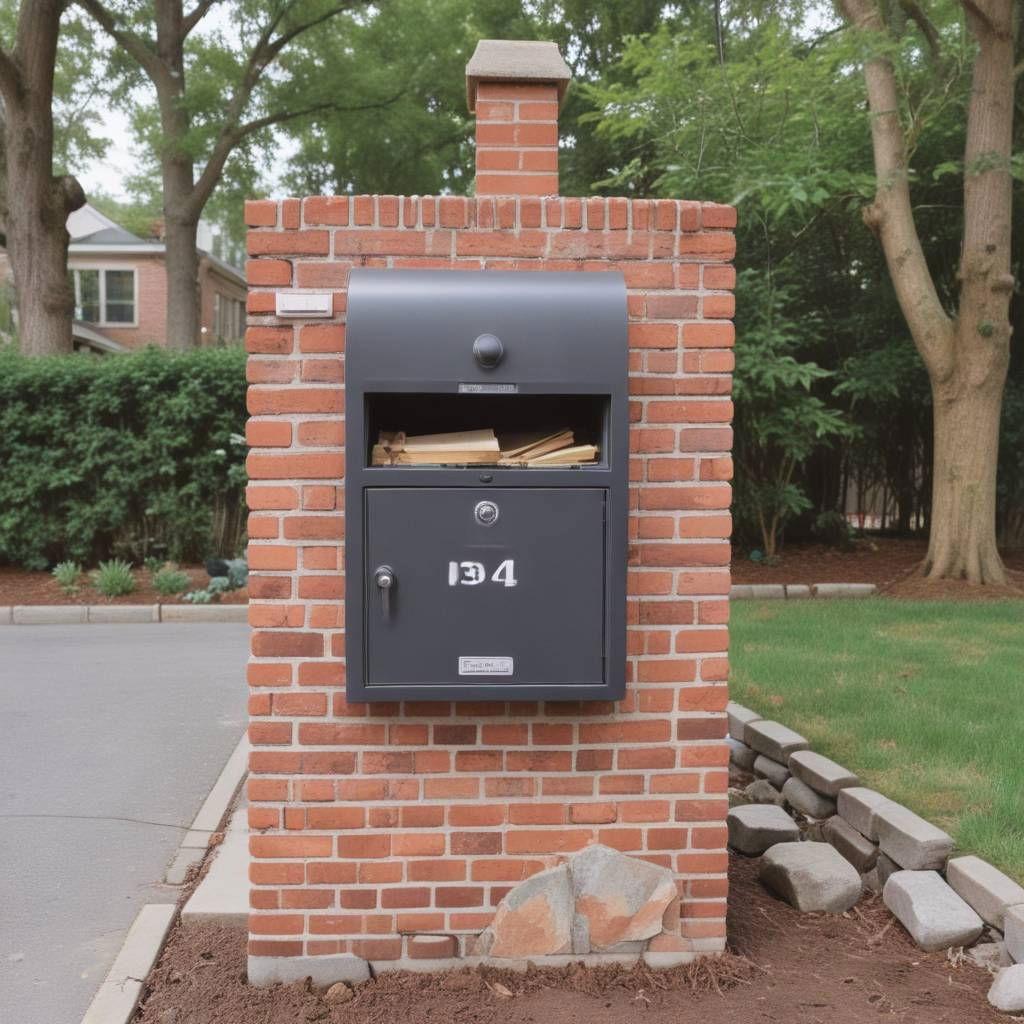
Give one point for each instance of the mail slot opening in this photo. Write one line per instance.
(513, 431)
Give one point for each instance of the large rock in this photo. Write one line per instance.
(929, 909)
(617, 898)
(757, 827)
(811, 877)
(1013, 932)
(851, 845)
(773, 739)
(821, 774)
(802, 798)
(915, 844)
(534, 919)
(739, 717)
(984, 887)
(775, 772)
(858, 806)
(740, 754)
(1007, 991)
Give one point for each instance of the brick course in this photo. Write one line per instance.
(381, 823)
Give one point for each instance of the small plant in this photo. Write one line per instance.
(153, 564)
(67, 574)
(169, 581)
(114, 578)
(236, 575)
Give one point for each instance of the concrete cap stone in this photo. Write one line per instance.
(515, 60)
(802, 798)
(740, 754)
(811, 877)
(757, 827)
(1013, 932)
(929, 909)
(773, 739)
(777, 774)
(858, 806)
(860, 852)
(915, 844)
(739, 717)
(984, 887)
(821, 773)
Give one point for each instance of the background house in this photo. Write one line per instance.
(121, 288)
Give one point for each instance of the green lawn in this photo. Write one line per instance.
(923, 700)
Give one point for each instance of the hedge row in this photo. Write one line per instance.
(137, 455)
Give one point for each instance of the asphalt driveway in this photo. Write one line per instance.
(103, 731)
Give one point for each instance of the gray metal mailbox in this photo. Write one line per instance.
(485, 581)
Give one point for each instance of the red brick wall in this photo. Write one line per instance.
(378, 821)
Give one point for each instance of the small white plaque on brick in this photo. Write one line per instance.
(304, 304)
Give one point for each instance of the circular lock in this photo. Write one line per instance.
(488, 351)
(486, 513)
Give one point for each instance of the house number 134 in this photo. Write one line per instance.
(469, 574)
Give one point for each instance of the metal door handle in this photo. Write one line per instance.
(384, 577)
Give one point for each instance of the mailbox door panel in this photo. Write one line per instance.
(506, 594)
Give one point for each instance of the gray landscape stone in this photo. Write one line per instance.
(984, 887)
(915, 844)
(860, 852)
(844, 589)
(757, 827)
(821, 773)
(535, 918)
(204, 613)
(123, 613)
(767, 591)
(885, 866)
(1013, 932)
(803, 799)
(49, 615)
(775, 773)
(324, 971)
(1007, 991)
(858, 806)
(740, 754)
(812, 877)
(6, 615)
(740, 592)
(797, 591)
(761, 791)
(929, 909)
(739, 717)
(774, 740)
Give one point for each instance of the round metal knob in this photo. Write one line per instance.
(384, 577)
(488, 351)
(486, 513)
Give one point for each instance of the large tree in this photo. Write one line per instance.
(213, 93)
(966, 351)
(34, 201)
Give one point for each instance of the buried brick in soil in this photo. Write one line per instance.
(786, 968)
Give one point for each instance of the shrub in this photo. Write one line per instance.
(114, 578)
(67, 574)
(170, 581)
(129, 456)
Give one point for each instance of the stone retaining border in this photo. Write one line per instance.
(866, 827)
(798, 591)
(81, 614)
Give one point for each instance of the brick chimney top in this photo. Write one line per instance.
(515, 60)
(515, 87)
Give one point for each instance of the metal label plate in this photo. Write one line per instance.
(475, 666)
(488, 389)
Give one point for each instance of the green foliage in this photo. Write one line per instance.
(131, 456)
(780, 421)
(67, 575)
(113, 578)
(237, 577)
(168, 582)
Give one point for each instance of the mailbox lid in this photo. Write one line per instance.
(408, 329)
(520, 602)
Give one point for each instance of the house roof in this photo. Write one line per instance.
(87, 335)
(109, 236)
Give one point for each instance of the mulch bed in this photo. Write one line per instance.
(21, 586)
(784, 968)
(890, 563)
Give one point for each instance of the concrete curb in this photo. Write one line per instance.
(118, 997)
(79, 614)
(208, 818)
(794, 591)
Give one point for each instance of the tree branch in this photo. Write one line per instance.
(10, 78)
(190, 20)
(917, 14)
(133, 43)
(890, 215)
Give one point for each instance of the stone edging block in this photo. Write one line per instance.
(79, 614)
(988, 891)
(798, 591)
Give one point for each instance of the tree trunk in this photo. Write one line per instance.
(962, 542)
(183, 314)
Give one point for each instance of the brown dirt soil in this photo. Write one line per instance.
(890, 563)
(785, 968)
(22, 586)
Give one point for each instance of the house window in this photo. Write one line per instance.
(228, 318)
(105, 296)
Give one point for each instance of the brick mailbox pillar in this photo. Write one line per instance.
(392, 831)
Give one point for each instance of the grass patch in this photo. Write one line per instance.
(922, 699)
